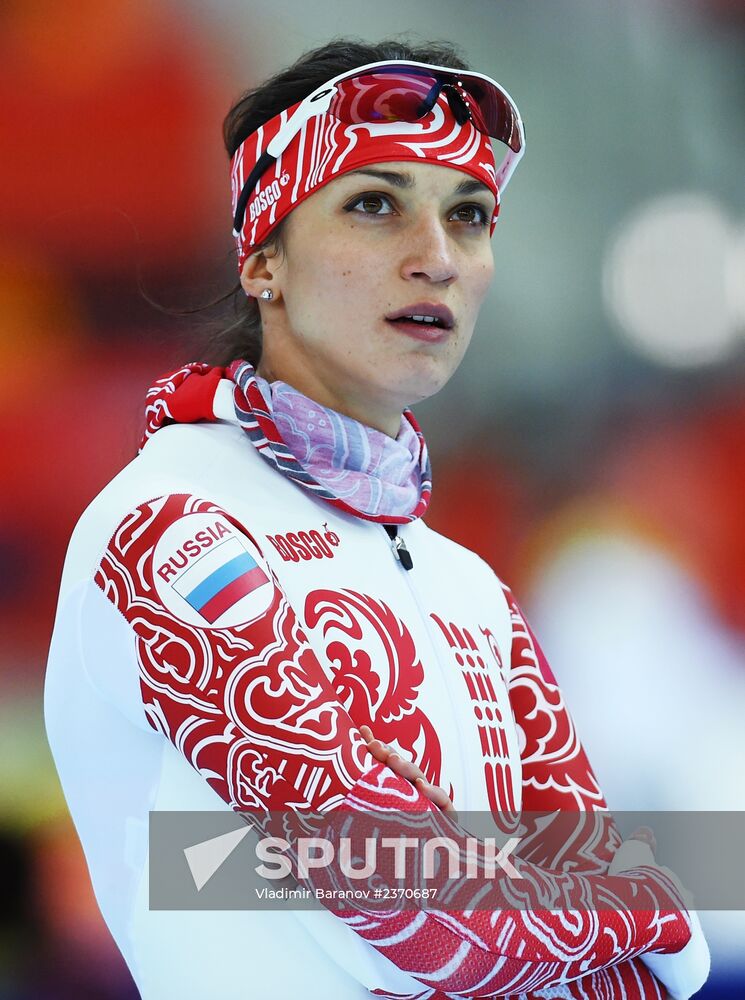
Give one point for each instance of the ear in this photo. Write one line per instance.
(259, 273)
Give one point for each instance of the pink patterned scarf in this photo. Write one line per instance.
(348, 464)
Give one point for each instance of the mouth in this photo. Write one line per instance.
(423, 320)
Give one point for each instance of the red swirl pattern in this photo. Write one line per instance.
(556, 774)
(377, 672)
(252, 709)
(248, 706)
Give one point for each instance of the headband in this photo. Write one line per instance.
(326, 148)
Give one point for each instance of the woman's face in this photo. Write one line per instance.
(381, 240)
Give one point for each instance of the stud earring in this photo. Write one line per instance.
(267, 294)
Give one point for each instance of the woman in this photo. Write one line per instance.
(253, 612)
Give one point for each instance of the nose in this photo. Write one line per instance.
(430, 253)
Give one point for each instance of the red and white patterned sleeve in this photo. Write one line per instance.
(557, 775)
(228, 676)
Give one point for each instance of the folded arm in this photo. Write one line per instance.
(250, 707)
(582, 834)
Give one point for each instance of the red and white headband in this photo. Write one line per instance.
(300, 150)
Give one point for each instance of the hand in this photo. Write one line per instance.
(407, 769)
(646, 835)
(683, 972)
(639, 849)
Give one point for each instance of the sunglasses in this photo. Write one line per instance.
(401, 91)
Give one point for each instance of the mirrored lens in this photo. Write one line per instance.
(407, 95)
(384, 97)
(495, 111)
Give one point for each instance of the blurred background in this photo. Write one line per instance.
(606, 379)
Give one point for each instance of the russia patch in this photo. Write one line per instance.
(207, 572)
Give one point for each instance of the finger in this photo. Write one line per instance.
(645, 834)
(436, 794)
(433, 793)
(366, 733)
(685, 895)
(406, 768)
(378, 752)
(439, 797)
(379, 749)
(631, 854)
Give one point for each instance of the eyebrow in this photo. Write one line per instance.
(403, 180)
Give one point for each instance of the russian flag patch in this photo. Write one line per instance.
(208, 572)
(220, 579)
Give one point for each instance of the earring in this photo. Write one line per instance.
(267, 294)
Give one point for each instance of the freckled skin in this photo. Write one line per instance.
(343, 270)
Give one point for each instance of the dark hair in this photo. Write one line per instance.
(242, 337)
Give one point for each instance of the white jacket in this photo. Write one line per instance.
(148, 707)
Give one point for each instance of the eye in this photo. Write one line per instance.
(475, 215)
(372, 204)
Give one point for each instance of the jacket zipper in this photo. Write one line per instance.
(399, 546)
(404, 557)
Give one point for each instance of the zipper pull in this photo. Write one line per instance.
(399, 546)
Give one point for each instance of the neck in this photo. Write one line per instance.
(369, 471)
(306, 381)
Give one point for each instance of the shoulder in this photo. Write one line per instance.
(183, 562)
(181, 464)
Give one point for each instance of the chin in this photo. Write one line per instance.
(418, 389)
